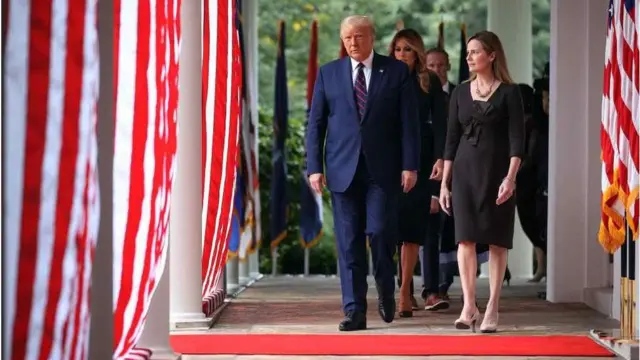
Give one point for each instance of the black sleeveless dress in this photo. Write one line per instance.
(482, 136)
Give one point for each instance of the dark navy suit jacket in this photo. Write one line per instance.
(388, 135)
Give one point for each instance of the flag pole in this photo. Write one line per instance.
(274, 261)
(308, 199)
(307, 255)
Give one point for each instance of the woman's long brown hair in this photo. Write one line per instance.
(417, 46)
(491, 44)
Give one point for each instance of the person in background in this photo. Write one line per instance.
(527, 183)
(541, 118)
(416, 223)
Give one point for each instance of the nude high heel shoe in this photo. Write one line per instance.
(470, 323)
(489, 324)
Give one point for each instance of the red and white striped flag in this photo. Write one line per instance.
(620, 126)
(147, 39)
(221, 85)
(51, 204)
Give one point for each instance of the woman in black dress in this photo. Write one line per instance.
(527, 182)
(421, 201)
(483, 151)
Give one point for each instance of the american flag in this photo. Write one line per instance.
(620, 126)
(250, 236)
(51, 200)
(147, 40)
(221, 85)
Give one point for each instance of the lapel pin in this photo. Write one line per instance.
(381, 70)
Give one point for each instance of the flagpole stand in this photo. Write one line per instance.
(624, 340)
(306, 261)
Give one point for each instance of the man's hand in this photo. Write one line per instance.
(317, 182)
(437, 171)
(409, 179)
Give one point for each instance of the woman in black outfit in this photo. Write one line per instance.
(541, 117)
(415, 229)
(528, 184)
(484, 148)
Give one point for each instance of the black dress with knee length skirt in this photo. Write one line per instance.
(482, 136)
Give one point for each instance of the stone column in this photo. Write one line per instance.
(250, 9)
(186, 201)
(101, 306)
(243, 271)
(233, 278)
(575, 259)
(511, 21)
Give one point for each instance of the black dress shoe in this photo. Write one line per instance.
(386, 305)
(353, 321)
(387, 309)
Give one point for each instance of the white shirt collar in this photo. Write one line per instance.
(368, 62)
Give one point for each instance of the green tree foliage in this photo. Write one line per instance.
(322, 259)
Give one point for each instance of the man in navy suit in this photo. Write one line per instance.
(363, 125)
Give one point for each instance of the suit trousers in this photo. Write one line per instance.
(430, 257)
(365, 210)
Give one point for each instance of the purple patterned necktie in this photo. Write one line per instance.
(360, 90)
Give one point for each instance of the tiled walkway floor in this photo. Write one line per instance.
(312, 305)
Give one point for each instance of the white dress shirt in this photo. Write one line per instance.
(368, 66)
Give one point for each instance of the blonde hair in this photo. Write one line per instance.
(492, 45)
(415, 42)
(358, 21)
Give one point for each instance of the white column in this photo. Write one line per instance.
(155, 335)
(596, 269)
(243, 271)
(233, 278)
(254, 265)
(575, 259)
(186, 203)
(101, 306)
(250, 9)
(511, 21)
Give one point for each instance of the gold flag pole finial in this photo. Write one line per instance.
(399, 25)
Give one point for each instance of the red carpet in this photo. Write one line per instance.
(307, 344)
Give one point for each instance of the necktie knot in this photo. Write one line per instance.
(360, 66)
